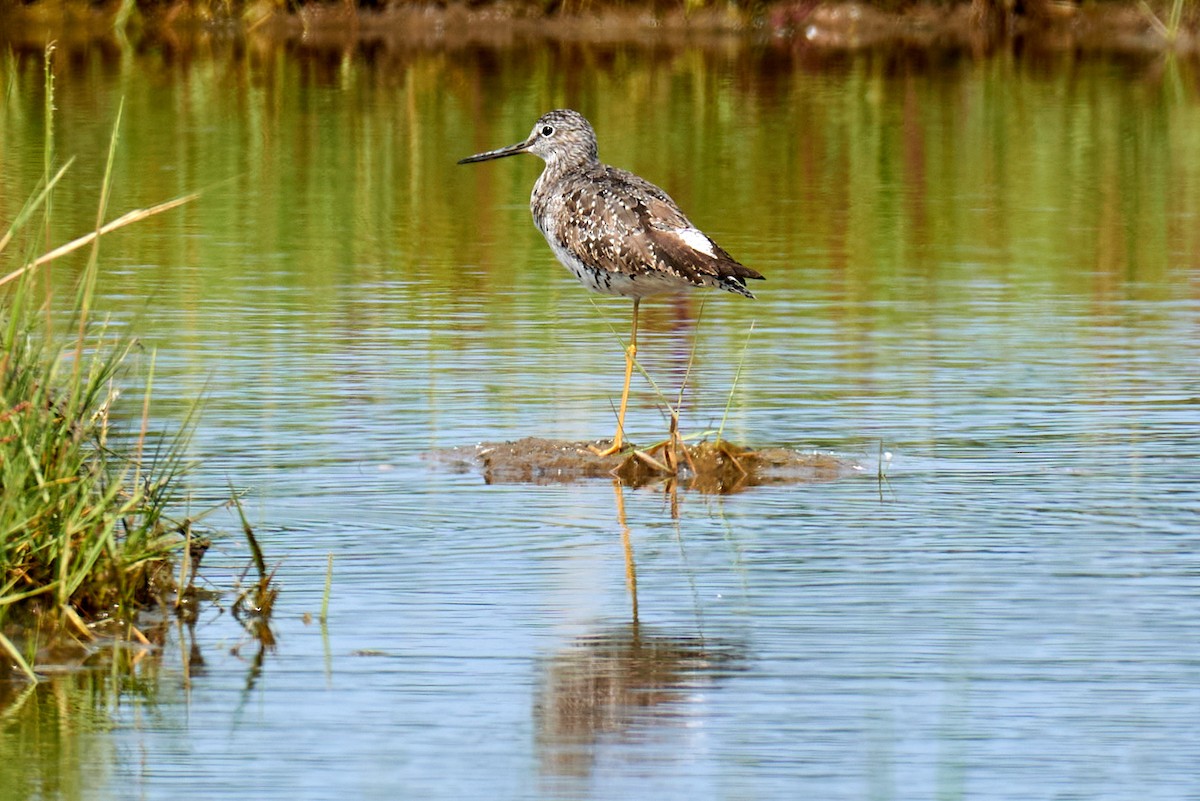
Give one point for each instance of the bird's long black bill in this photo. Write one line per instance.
(511, 150)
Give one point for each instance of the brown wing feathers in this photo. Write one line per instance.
(633, 227)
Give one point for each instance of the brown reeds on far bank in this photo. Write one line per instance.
(978, 25)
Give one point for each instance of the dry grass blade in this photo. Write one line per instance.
(1157, 24)
(75, 244)
(7, 646)
(75, 620)
(650, 460)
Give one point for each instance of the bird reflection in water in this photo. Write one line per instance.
(621, 683)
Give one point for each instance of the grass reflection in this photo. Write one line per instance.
(890, 196)
(52, 733)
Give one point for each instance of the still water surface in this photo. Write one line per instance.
(988, 268)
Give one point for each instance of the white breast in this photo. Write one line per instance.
(609, 283)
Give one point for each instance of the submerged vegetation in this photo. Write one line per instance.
(84, 486)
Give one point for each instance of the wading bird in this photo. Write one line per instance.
(618, 233)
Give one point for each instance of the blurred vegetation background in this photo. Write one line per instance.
(1106, 24)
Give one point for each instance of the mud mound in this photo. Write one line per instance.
(716, 467)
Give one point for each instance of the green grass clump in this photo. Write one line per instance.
(83, 490)
(81, 509)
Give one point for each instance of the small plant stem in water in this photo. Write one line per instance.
(185, 564)
(141, 441)
(736, 377)
(260, 564)
(328, 587)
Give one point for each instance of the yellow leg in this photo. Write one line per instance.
(630, 355)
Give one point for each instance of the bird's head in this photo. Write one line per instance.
(562, 138)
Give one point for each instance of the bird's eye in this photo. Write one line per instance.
(547, 130)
